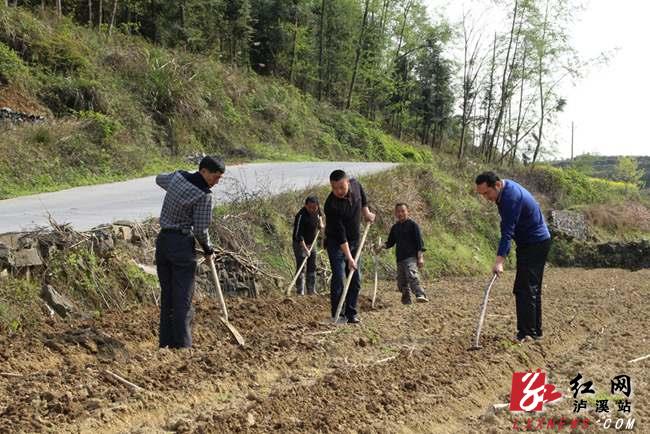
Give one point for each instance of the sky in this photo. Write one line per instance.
(609, 105)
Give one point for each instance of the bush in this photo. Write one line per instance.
(12, 68)
(66, 95)
(105, 125)
(19, 307)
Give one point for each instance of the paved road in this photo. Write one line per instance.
(138, 199)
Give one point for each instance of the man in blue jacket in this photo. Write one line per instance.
(522, 221)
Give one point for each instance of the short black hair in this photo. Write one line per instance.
(338, 175)
(397, 205)
(311, 199)
(490, 178)
(212, 164)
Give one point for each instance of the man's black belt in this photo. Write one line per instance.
(176, 231)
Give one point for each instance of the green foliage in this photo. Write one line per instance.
(606, 167)
(131, 108)
(100, 283)
(19, 304)
(12, 68)
(66, 95)
(106, 126)
(627, 170)
(584, 164)
(569, 187)
(315, 46)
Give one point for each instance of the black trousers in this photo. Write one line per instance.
(531, 259)
(176, 266)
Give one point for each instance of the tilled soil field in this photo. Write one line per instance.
(404, 369)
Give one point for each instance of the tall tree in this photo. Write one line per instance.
(489, 97)
(472, 65)
(554, 59)
(321, 48)
(110, 28)
(357, 56)
(511, 48)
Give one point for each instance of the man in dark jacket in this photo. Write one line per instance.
(521, 220)
(343, 209)
(305, 225)
(409, 253)
(186, 214)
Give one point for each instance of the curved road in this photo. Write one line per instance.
(138, 199)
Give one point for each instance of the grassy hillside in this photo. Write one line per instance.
(604, 167)
(119, 107)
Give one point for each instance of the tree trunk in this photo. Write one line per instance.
(504, 83)
(59, 9)
(293, 48)
(90, 13)
(358, 54)
(463, 122)
(488, 118)
(520, 116)
(321, 26)
(110, 28)
(401, 33)
(101, 13)
(470, 74)
(540, 84)
(382, 20)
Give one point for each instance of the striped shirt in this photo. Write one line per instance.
(187, 205)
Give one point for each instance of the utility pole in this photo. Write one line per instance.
(571, 140)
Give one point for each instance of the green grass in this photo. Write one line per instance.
(569, 187)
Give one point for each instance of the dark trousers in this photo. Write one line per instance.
(176, 265)
(408, 277)
(310, 269)
(339, 273)
(531, 259)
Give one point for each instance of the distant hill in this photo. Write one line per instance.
(604, 166)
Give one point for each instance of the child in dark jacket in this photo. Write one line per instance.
(405, 234)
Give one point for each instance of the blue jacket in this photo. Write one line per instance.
(521, 218)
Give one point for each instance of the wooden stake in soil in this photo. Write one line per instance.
(638, 359)
(349, 278)
(127, 383)
(374, 291)
(295, 278)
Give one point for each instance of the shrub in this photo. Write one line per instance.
(12, 68)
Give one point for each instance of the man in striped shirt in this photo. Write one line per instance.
(186, 214)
